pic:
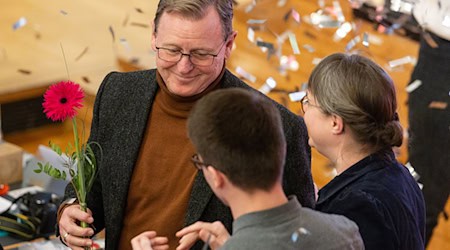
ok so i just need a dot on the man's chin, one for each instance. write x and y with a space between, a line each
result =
180 90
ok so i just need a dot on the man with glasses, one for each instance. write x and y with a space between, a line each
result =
243 166
144 180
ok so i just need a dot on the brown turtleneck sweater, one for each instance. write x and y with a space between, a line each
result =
163 176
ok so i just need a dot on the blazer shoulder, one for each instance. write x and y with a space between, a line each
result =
128 83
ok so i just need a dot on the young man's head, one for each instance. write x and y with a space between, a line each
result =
239 133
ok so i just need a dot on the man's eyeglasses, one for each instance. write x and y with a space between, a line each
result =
198 164
305 104
196 58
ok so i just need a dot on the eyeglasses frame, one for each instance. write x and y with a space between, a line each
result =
198 164
305 101
181 54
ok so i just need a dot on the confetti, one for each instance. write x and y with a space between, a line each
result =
125 44
250 6
268 86
241 72
412 171
20 23
281 3
256 21
401 61
251 35
342 31
365 39
316 60
310 35
338 11
296 16
142 25
125 21
81 54
112 33
289 62
63 12
374 39
294 44
86 79
139 10
134 60
297 96
285 35
352 43
287 15
301 231
309 48
323 20
437 105
413 86
24 71
267 45
304 86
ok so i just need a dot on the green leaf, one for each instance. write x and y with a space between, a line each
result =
46 167
39 170
72 173
55 148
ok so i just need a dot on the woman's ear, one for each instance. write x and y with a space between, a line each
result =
337 124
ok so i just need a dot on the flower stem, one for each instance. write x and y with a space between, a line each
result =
80 172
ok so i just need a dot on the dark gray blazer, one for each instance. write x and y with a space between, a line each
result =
121 110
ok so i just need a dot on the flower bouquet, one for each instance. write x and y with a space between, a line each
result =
60 102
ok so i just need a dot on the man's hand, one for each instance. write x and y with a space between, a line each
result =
149 241
214 234
70 232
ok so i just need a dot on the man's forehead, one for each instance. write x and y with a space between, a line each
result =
174 28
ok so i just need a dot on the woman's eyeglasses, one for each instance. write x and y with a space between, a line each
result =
305 104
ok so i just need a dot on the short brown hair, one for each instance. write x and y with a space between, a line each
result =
363 94
195 9
240 133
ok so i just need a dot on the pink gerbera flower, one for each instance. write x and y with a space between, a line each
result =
61 100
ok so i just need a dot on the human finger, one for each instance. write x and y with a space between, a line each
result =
70 217
215 236
187 241
196 227
142 240
160 243
75 242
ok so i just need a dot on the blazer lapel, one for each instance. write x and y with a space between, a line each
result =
125 151
200 195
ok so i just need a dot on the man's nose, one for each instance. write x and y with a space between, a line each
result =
185 64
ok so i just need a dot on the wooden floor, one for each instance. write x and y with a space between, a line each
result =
249 57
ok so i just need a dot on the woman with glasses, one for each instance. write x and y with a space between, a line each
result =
350 112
